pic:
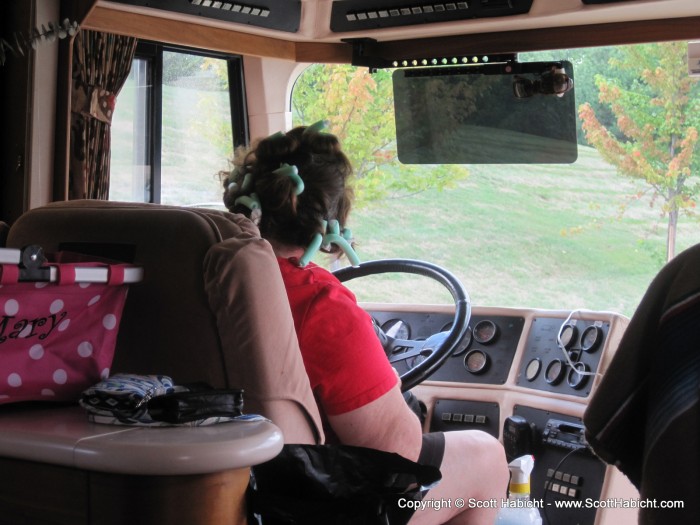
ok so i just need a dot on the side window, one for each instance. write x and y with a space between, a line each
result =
178 119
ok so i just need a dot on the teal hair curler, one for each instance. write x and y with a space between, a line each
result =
316 127
247 180
293 173
311 250
275 136
251 202
333 235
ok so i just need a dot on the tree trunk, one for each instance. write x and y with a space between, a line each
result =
671 235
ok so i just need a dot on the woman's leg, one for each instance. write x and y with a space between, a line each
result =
474 480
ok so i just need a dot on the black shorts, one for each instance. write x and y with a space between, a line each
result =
433 449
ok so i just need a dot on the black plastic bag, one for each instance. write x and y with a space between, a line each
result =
337 484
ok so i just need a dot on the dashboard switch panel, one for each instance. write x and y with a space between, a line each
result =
456 414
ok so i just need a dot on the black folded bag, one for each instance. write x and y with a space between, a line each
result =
195 404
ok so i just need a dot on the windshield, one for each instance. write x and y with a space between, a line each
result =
586 235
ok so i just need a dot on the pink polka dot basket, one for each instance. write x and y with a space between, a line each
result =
58 326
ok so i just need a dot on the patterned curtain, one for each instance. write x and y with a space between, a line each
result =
101 64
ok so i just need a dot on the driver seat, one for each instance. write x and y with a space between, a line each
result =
212 306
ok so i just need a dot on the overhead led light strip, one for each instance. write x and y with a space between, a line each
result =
414 10
233 7
461 60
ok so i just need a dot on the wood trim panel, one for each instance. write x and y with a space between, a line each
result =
323 53
42 494
77 9
543 39
206 499
169 31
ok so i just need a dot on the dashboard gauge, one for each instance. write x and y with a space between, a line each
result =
576 379
465 344
555 372
485 332
476 362
567 335
591 338
532 370
397 329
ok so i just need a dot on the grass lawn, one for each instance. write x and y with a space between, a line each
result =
546 236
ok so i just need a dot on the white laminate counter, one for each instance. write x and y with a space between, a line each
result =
63 436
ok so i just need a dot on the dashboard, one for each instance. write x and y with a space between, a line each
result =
524 376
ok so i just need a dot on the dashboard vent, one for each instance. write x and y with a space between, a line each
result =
357 15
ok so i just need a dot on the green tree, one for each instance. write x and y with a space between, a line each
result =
656 108
360 108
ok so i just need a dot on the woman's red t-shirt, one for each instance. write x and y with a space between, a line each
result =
345 362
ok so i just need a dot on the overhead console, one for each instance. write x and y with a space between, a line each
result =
357 15
282 15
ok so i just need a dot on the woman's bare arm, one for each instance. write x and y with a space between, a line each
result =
387 423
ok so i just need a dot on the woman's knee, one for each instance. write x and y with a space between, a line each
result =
483 453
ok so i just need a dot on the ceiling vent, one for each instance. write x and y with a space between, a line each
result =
358 15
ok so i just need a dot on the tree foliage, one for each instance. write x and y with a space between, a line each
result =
656 106
359 106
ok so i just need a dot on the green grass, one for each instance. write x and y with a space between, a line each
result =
532 236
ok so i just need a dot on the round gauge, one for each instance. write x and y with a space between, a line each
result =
591 338
485 332
476 361
555 372
576 379
465 344
532 370
397 329
567 335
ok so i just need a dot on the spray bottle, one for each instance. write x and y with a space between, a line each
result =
518 509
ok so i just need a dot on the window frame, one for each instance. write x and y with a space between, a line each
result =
152 53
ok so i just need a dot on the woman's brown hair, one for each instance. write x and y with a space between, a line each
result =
257 187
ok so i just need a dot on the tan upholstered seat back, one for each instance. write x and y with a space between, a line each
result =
212 306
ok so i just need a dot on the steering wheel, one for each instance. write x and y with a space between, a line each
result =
436 348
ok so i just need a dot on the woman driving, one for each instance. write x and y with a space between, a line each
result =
295 187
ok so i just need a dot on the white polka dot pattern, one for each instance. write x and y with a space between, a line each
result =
56 341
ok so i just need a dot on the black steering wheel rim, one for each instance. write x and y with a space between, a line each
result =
460 322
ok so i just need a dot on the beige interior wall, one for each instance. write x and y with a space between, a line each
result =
269 83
